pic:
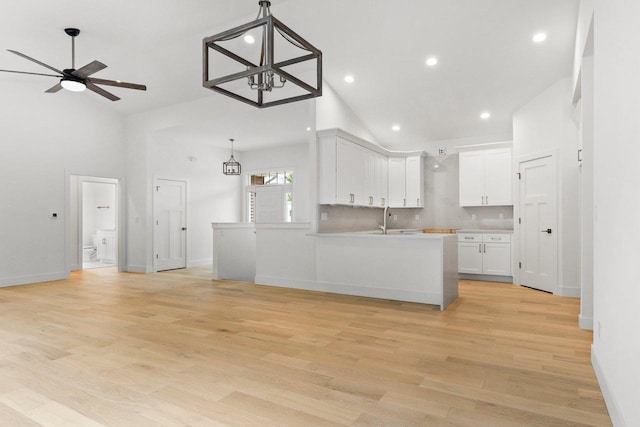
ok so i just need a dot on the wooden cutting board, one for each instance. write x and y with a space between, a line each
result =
440 230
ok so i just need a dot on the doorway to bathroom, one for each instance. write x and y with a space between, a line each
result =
94 222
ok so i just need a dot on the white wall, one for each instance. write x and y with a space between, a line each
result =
333 113
546 123
143 131
616 348
584 38
586 194
291 157
211 195
46 137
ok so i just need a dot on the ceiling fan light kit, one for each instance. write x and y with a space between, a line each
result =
261 75
74 85
77 80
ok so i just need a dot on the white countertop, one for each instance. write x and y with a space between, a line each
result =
391 234
485 231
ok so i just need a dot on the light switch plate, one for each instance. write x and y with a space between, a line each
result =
323 216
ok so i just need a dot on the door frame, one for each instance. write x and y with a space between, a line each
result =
69 223
154 237
515 244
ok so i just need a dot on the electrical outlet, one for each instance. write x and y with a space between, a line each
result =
395 217
417 217
323 216
501 216
473 217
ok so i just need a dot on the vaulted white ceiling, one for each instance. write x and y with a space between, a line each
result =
487 61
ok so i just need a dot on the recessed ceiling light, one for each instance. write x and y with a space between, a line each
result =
349 78
432 61
249 39
395 128
485 115
539 37
308 129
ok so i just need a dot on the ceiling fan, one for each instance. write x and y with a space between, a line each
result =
78 80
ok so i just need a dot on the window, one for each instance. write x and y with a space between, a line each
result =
269 197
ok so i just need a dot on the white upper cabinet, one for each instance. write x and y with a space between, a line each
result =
486 178
357 173
397 182
350 173
415 181
381 192
406 187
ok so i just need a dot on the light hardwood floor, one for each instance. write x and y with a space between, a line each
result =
177 348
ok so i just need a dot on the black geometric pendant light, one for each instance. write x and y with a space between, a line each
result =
276 64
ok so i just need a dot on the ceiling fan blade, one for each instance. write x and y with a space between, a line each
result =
101 91
54 89
35 60
87 70
33 74
117 84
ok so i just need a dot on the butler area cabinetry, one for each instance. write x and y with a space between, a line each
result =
486 178
484 253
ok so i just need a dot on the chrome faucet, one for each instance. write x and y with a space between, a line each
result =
383 227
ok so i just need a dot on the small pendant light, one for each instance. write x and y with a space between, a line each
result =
231 166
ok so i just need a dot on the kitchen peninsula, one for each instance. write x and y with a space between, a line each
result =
413 267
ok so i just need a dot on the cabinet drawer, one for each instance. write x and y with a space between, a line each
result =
496 238
475 237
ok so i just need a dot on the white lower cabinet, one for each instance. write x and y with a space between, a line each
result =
480 253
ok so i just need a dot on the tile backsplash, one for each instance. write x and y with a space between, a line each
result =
441 207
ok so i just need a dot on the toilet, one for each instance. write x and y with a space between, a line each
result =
90 253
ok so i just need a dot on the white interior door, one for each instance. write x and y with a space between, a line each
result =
538 231
170 236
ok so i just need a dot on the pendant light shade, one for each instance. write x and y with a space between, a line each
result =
247 54
231 166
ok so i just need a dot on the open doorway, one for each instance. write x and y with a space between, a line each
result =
94 219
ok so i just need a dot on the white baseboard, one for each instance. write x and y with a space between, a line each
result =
199 262
138 269
609 398
570 292
585 322
485 277
35 278
347 289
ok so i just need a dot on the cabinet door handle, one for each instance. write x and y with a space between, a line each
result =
382 201
418 201
485 248
479 247
487 199
352 198
404 202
